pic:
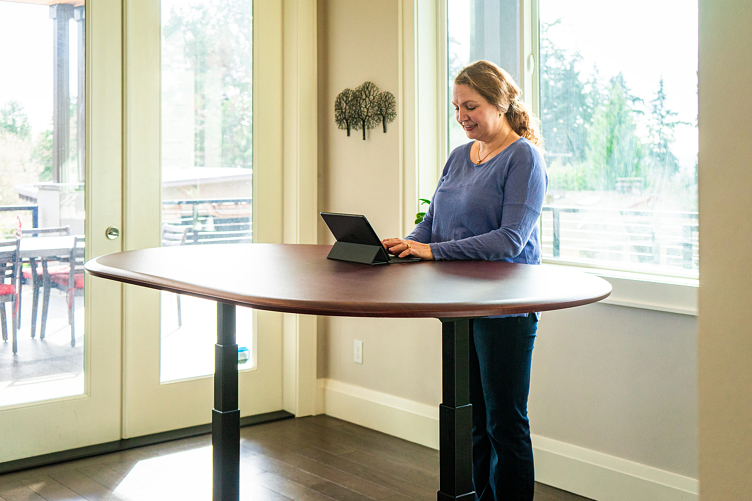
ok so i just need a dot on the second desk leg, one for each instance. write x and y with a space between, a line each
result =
455 413
226 415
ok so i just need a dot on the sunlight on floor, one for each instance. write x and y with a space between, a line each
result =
185 475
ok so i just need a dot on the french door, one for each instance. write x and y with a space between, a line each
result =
195 159
61 386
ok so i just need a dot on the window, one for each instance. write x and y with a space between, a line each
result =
207 162
618 114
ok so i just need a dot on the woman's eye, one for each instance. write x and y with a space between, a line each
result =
471 109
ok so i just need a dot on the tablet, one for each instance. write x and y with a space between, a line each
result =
357 241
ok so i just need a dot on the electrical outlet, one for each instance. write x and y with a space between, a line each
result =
358 352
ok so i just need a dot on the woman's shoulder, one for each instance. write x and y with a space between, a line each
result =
458 157
461 152
525 149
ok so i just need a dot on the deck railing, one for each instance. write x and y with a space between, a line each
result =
212 220
656 238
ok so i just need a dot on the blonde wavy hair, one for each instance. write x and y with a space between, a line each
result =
498 87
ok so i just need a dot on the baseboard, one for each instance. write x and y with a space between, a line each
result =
388 414
606 478
565 466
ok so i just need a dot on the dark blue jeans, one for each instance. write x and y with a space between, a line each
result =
501 351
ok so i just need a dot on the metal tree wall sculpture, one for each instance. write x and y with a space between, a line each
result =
364 108
386 108
343 110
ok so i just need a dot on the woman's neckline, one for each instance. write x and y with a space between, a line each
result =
484 162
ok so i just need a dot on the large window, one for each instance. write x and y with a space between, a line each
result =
618 110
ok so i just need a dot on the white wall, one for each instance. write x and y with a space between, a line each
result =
614 383
725 327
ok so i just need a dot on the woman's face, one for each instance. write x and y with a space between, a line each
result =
479 118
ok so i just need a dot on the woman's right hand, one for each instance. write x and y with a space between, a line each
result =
401 247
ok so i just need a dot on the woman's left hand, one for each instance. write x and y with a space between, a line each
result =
404 248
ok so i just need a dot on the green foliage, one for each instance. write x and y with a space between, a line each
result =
16 165
568 176
13 119
661 127
218 48
568 102
420 215
613 148
597 132
41 154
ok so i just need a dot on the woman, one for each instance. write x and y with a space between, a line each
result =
486 206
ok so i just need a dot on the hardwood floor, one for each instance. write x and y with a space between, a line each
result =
309 459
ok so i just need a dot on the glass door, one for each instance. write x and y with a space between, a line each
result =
191 176
59 117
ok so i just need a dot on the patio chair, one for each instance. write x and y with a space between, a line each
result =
35 274
172 236
9 265
69 278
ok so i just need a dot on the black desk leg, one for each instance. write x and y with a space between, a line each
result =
456 413
226 415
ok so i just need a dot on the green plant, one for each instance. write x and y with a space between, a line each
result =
420 215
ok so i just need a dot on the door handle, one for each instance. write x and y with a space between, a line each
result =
111 233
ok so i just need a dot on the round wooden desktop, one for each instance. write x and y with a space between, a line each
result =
300 279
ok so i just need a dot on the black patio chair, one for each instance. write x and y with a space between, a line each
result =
9 265
35 273
69 278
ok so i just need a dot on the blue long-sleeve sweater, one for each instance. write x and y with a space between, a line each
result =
487 211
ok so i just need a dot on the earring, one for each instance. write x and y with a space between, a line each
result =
499 115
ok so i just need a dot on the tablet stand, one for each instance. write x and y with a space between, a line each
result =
358 253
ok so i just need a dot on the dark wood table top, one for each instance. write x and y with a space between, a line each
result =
300 279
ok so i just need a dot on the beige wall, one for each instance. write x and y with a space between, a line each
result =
617 380
725 339
621 381
358 42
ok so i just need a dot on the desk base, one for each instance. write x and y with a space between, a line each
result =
226 415
456 413
225 448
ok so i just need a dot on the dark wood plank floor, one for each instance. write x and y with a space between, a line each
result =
317 458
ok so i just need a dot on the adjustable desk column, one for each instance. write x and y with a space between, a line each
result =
226 415
455 413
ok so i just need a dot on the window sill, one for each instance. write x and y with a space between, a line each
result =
648 292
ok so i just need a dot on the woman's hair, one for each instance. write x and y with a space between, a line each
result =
497 87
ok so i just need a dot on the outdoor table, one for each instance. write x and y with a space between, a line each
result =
43 248
300 279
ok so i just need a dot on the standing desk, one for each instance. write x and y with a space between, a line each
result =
299 279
